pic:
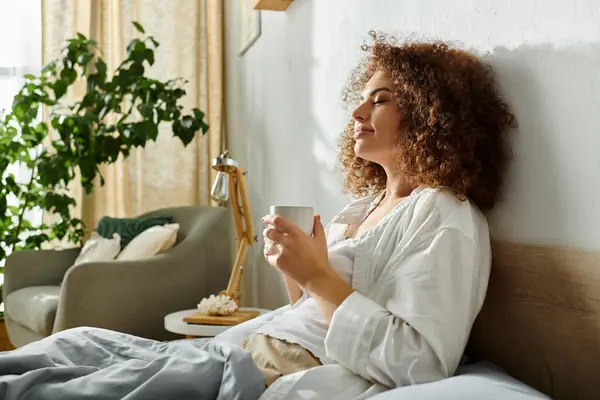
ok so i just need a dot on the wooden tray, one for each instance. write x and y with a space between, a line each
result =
233 319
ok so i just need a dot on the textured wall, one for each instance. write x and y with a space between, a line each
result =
285 116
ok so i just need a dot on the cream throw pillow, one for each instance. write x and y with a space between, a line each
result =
152 241
97 248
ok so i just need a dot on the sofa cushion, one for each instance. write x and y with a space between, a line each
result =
152 241
98 248
34 307
128 228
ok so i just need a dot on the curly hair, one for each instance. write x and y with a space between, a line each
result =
455 133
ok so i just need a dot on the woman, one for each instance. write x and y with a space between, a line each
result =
391 288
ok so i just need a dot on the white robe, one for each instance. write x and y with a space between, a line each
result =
420 277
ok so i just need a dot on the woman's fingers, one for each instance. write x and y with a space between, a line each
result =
271 248
282 224
273 234
280 234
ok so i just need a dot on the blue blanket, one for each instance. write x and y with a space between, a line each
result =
92 363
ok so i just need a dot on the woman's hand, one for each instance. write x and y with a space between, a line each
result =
298 255
304 259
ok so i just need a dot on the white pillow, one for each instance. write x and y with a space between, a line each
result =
98 248
481 380
154 240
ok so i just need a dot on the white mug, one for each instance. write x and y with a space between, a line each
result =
302 216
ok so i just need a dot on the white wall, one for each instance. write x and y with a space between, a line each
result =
284 113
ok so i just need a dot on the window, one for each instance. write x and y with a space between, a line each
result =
20 54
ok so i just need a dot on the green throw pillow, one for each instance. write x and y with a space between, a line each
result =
128 228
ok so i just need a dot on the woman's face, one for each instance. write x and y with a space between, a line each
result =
377 121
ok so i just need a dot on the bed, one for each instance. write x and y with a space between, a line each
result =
537 337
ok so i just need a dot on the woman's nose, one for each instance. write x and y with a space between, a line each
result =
361 113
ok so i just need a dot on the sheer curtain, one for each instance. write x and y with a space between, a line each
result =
20 54
190 34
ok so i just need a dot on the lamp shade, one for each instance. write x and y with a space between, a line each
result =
225 163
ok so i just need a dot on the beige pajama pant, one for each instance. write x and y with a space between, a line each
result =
275 357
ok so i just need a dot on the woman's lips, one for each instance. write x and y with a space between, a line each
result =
360 133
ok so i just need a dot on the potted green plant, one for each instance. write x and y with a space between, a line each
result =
120 110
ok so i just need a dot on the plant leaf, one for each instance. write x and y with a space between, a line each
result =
146 110
149 53
60 88
138 27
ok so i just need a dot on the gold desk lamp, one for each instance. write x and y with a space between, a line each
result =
230 183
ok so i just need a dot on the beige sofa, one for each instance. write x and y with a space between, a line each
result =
126 296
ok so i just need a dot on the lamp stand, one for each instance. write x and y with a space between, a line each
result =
240 206
232 175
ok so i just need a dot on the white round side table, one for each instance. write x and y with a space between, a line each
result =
174 323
